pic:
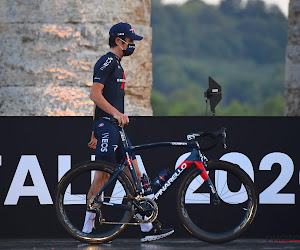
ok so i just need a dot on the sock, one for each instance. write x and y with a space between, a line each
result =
148 226
89 222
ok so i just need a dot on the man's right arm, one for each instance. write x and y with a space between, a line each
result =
97 97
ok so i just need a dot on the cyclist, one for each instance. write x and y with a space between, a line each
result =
108 93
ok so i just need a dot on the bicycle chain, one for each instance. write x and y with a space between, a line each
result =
140 220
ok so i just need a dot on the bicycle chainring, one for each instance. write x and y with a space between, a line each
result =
144 210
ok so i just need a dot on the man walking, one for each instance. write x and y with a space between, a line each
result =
107 93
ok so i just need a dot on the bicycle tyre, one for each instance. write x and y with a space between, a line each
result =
226 221
71 215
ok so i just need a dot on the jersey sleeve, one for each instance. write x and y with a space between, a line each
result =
103 71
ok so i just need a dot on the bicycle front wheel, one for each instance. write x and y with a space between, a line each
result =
222 222
71 201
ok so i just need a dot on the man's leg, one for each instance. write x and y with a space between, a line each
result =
106 136
100 179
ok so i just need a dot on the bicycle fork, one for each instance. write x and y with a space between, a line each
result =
200 160
215 196
205 177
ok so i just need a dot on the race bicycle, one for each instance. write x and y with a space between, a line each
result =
222 188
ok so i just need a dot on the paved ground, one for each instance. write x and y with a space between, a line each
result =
134 244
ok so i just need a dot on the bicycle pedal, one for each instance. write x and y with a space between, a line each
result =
93 210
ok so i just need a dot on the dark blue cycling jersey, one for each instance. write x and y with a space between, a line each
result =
109 72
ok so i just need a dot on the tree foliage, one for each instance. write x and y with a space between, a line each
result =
241 47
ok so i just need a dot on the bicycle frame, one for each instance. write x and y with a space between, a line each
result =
237 196
196 157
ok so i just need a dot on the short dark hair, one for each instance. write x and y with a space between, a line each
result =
112 40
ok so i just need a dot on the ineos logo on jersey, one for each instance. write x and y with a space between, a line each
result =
107 62
104 142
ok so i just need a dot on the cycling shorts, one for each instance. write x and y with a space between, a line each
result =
109 145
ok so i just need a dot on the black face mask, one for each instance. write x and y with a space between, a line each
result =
130 48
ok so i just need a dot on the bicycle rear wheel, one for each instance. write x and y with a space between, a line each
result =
225 221
71 200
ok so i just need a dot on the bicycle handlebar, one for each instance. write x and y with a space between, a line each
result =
115 121
221 133
112 120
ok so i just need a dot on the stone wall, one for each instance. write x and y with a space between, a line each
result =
48 49
292 79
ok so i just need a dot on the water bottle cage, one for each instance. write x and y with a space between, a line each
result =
146 185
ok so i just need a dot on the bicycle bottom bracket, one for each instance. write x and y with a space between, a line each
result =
144 210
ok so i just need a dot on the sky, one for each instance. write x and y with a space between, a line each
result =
282 4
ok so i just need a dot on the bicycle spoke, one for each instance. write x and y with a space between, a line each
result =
234 195
205 195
